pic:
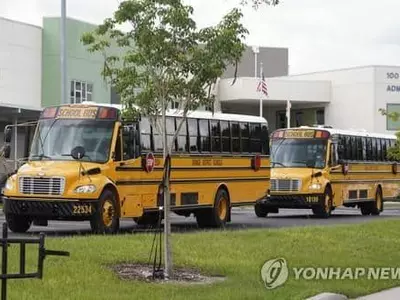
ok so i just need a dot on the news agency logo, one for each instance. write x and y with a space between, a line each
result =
274 272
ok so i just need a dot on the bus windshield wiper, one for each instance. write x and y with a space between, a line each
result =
299 162
278 163
66 154
40 156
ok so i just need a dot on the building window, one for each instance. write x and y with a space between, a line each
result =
174 105
299 119
320 116
208 107
81 91
281 121
391 124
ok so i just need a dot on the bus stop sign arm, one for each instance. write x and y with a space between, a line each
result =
5 242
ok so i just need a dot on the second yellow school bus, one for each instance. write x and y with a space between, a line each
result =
322 168
86 163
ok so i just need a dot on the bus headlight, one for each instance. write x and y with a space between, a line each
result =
315 186
85 189
9 185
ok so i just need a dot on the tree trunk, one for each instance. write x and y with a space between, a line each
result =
167 224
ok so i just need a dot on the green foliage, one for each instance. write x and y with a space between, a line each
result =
257 3
393 153
165 54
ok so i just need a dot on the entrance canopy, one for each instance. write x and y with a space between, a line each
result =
280 90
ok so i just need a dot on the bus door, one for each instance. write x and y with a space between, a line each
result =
127 166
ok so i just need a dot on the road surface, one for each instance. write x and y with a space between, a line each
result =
242 218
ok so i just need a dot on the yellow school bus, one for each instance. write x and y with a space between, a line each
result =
322 168
86 163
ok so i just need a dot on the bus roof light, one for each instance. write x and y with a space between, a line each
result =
322 134
107 113
325 134
49 112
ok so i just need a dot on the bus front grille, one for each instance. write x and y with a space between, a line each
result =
285 185
30 185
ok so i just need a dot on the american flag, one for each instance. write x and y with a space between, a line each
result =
262 85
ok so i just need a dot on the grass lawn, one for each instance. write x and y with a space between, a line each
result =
239 255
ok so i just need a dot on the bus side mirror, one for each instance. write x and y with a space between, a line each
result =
7 151
78 152
7 134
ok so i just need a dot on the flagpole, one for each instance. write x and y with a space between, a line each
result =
261 93
63 51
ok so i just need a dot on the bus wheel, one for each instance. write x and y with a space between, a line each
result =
260 211
324 210
18 224
365 209
105 219
218 215
148 219
377 205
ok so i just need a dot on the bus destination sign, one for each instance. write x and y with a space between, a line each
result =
299 133
77 113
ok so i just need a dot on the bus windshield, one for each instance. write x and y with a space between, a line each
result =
298 153
55 138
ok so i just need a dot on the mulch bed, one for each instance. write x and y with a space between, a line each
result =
144 272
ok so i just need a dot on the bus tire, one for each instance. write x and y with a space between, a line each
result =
260 211
377 205
218 215
18 224
373 208
324 210
105 220
148 219
365 209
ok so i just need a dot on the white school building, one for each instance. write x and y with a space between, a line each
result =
344 98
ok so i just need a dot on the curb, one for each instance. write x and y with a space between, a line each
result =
328 296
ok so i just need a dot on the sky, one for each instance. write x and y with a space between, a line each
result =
320 34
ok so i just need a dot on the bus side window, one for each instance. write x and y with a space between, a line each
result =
118 148
379 149
342 148
181 139
359 148
244 137
204 134
264 139
193 135
215 136
235 133
364 148
348 148
374 148
255 138
384 150
130 141
333 158
145 134
226 136
369 149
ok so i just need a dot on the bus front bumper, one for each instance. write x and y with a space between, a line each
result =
62 209
293 201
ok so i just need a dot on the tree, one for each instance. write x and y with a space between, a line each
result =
170 59
257 3
393 153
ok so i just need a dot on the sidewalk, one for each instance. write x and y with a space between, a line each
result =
390 294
